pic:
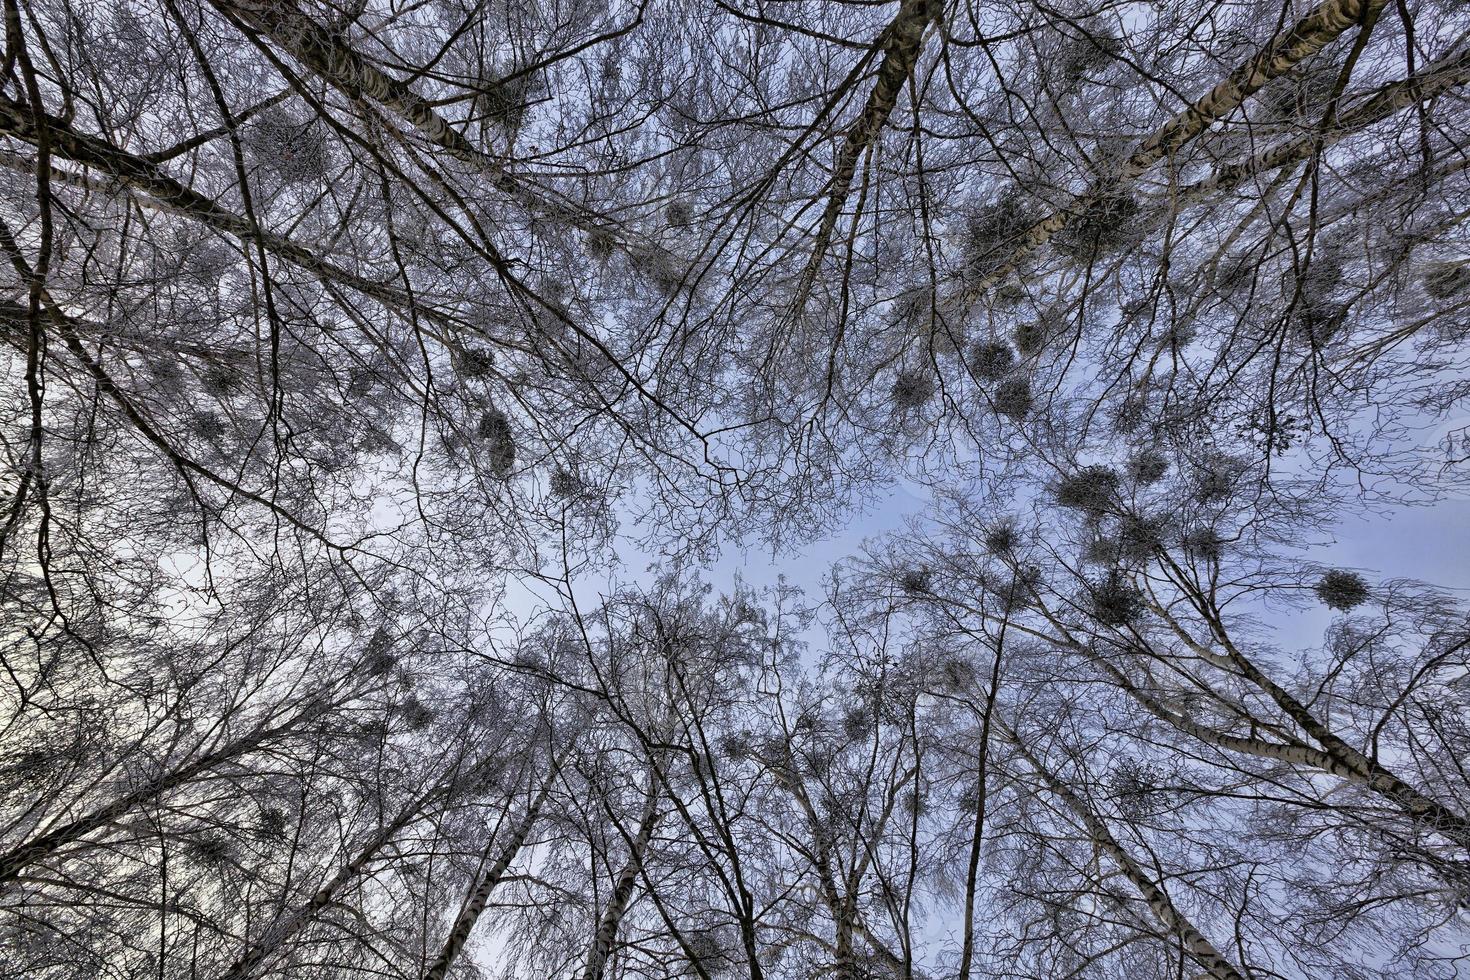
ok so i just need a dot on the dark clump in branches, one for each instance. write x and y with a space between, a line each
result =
1130 414
506 101
1032 336
415 714
476 362
295 150
1215 479
379 657
1092 490
913 389
1089 54
497 441
1342 590
1001 538
1106 226
1138 788
1316 324
1013 399
600 245
1291 98
993 231
565 484
1139 537
1148 467
1204 543
710 949
734 747
1115 601
1016 588
679 215
955 674
991 360
222 381
1445 280
363 356
273 824
857 723
914 582
34 765
211 849
209 425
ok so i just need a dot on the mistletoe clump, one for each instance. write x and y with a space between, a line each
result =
1012 399
1130 414
955 674
1031 336
1215 479
1091 490
1148 467
1138 788
31 765
498 441
1102 550
991 360
208 425
710 949
1085 56
994 231
913 389
1297 95
679 214
857 723
222 381
914 581
1016 589
565 484
1443 280
415 714
734 746
1317 324
505 101
600 245
1001 538
1115 602
1342 590
1204 543
379 658
296 151
211 849
273 824
1139 536
1106 226
476 362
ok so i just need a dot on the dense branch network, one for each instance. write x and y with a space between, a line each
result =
353 349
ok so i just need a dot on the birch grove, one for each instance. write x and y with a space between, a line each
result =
392 387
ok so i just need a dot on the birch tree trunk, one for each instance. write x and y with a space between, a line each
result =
1311 34
279 933
1200 949
481 890
617 903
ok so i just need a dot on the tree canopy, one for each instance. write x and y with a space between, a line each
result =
352 350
